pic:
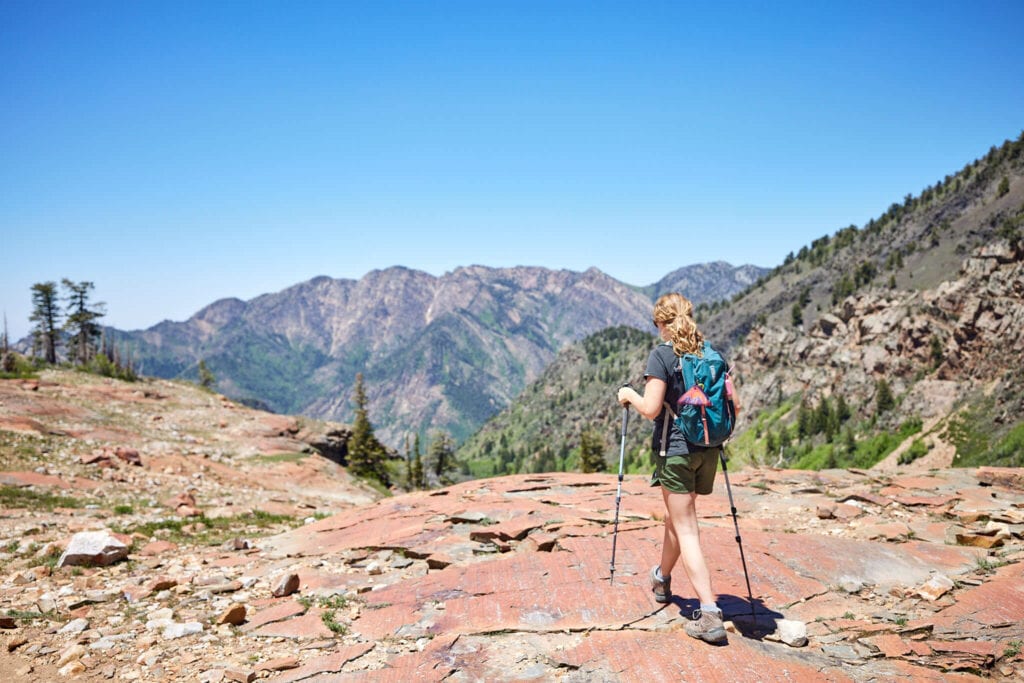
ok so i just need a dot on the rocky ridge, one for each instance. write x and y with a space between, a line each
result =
856 575
941 350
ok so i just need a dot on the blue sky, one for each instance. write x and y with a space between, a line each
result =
176 153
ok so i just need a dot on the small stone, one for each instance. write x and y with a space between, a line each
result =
286 585
237 544
175 631
8 622
240 675
850 584
978 540
161 583
935 587
70 654
157 548
792 632
16 642
279 664
72 669
826 511
75 626
234 615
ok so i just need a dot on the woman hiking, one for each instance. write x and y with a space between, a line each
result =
685 471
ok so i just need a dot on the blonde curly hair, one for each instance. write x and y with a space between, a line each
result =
675 311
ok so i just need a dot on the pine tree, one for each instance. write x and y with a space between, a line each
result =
7 363
46 315
419 476
408 464
884 400
206 378
842 409
591 453
365 454
442 457
84 332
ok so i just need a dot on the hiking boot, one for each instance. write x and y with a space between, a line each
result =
662 588
707 626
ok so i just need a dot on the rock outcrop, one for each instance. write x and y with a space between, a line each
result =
934 348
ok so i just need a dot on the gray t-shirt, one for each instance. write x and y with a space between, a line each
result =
661 364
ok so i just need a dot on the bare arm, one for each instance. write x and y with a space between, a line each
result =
649 405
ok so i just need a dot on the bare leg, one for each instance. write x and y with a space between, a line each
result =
682 541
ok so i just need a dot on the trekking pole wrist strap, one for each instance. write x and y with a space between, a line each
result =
664 428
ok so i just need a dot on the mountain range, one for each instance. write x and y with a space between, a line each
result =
436 353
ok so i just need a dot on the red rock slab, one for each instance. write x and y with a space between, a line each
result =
866 497
1007 477
922 483
845 511
932 532
567 589
313 579
897 670
372 532
827 607
892 531
25 425
282 609
520 591
928 501
889 644
36 479
514 529
999 602
674 656
436 662
972 648
982 499
332 663
828 558
309 625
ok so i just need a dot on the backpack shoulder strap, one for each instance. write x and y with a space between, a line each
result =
686 363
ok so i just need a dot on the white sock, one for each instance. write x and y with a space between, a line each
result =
711 608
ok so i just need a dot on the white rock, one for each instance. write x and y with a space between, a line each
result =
181 630
93 548
75 626
792 632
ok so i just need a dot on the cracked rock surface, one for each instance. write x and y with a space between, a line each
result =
272 565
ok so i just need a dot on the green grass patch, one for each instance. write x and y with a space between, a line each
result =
866 452
18 497
973 445
214 531
25 615
279 457
917 449
123 509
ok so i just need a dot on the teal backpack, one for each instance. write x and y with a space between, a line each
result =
705 414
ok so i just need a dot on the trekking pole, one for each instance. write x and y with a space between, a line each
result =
618 493
725 471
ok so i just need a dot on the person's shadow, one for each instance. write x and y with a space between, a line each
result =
752 620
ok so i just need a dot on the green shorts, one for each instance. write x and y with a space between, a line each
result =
690 473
